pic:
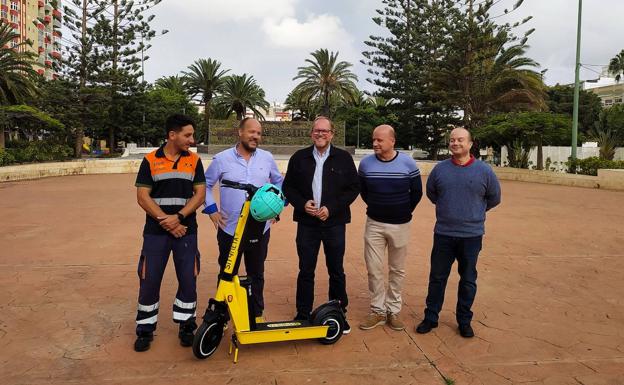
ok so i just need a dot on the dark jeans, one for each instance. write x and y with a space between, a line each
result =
152 263
254 250
445 251
309 240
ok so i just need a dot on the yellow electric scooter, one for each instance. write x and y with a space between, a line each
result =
233 301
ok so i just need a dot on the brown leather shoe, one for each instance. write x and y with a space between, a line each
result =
373 320
394 322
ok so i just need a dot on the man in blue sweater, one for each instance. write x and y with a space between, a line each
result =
462 189
390 185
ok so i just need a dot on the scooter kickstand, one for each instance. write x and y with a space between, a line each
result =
234 343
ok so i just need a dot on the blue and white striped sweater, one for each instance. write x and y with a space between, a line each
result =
391 189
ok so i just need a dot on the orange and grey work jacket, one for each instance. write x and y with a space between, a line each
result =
171 183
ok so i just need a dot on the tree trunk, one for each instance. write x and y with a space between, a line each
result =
207 120
79 140
469 77
83 81
540 154
115 80
326 104
434 152
2 144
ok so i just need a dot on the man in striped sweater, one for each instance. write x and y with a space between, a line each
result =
391 187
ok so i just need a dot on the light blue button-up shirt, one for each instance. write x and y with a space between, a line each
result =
317 182
230 165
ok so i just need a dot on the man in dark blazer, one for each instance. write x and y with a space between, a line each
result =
321 182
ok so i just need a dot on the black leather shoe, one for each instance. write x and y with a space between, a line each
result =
466 331
425 326
143 342
186 333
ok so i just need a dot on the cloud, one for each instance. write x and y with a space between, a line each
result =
316 32
227 11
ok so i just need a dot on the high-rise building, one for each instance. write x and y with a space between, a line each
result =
37 21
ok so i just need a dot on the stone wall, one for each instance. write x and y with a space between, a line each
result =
78 167
225 132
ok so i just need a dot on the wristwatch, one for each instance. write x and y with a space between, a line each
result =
180 216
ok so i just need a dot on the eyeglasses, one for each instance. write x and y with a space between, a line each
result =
321 131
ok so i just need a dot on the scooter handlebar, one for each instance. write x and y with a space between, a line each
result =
239 186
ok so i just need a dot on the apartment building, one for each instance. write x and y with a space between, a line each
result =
39 22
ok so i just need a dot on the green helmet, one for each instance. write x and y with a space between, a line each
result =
267 203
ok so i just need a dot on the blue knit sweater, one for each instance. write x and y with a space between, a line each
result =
391 189
462 195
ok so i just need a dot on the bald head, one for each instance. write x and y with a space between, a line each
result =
383 142
385 129
460 143
461 131
248 122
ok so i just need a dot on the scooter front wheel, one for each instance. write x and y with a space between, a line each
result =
207 339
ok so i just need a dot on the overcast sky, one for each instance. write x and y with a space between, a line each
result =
269 39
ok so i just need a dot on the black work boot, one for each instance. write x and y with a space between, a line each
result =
186 332
143 342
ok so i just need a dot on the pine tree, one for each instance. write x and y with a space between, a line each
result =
122 33
439 57
79 61
404 62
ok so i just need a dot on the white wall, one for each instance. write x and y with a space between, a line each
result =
559 155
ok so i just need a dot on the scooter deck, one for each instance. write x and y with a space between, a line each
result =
281 331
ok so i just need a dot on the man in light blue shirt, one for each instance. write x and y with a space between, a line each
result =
243 163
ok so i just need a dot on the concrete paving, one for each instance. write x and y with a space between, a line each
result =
549 308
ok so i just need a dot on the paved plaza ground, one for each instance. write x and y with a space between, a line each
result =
549 308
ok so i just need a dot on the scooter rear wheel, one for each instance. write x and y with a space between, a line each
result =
207 339
335 321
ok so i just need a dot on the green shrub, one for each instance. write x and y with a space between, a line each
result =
6 158
590 166
38 151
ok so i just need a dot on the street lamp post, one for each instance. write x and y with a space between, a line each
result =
576 84
142 65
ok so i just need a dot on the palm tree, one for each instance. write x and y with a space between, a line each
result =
606 138
325 77
513 83
360 99
173 83
492 76
380 102
205 78
302 108
241 92
616 66
17 76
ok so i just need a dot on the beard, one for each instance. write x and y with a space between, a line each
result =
247 147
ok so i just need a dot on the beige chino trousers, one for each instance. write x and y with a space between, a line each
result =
377 237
